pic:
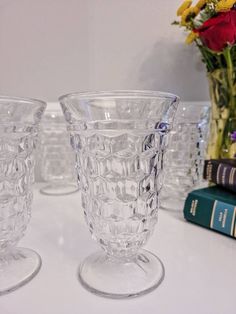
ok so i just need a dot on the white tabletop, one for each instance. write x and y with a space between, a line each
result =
200 266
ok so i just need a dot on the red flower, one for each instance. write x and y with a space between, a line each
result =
219 31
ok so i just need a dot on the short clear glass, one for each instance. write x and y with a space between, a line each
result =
120 138
57 159
19 119
184 159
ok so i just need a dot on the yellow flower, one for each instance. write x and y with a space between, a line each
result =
191 37
224 5
185 5
190 12
201 4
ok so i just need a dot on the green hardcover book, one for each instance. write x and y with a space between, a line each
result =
213 208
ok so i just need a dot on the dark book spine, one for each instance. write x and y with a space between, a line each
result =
209 213
220 173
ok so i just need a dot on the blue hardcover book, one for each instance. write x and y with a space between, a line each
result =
213 208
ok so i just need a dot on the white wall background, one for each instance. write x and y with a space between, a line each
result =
52 47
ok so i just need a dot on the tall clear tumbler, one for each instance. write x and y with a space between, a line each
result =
120 138
57 159
19 119
184 159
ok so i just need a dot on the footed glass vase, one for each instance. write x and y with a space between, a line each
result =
19 119
119 138
222 135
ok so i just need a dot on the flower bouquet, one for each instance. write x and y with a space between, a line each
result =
211 25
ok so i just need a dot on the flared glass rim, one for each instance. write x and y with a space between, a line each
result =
22 100
120 94
38 107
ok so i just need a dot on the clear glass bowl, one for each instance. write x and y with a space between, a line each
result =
19 119
184 159
120 138
57 159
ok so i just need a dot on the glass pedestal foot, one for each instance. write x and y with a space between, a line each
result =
116 278
59 189
17 267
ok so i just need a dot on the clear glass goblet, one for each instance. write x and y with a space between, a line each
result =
184 159
19 119
120 138
57 159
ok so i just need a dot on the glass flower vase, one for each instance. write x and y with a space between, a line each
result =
222 135
19 119
120 138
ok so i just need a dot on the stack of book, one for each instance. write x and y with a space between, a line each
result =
214 207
